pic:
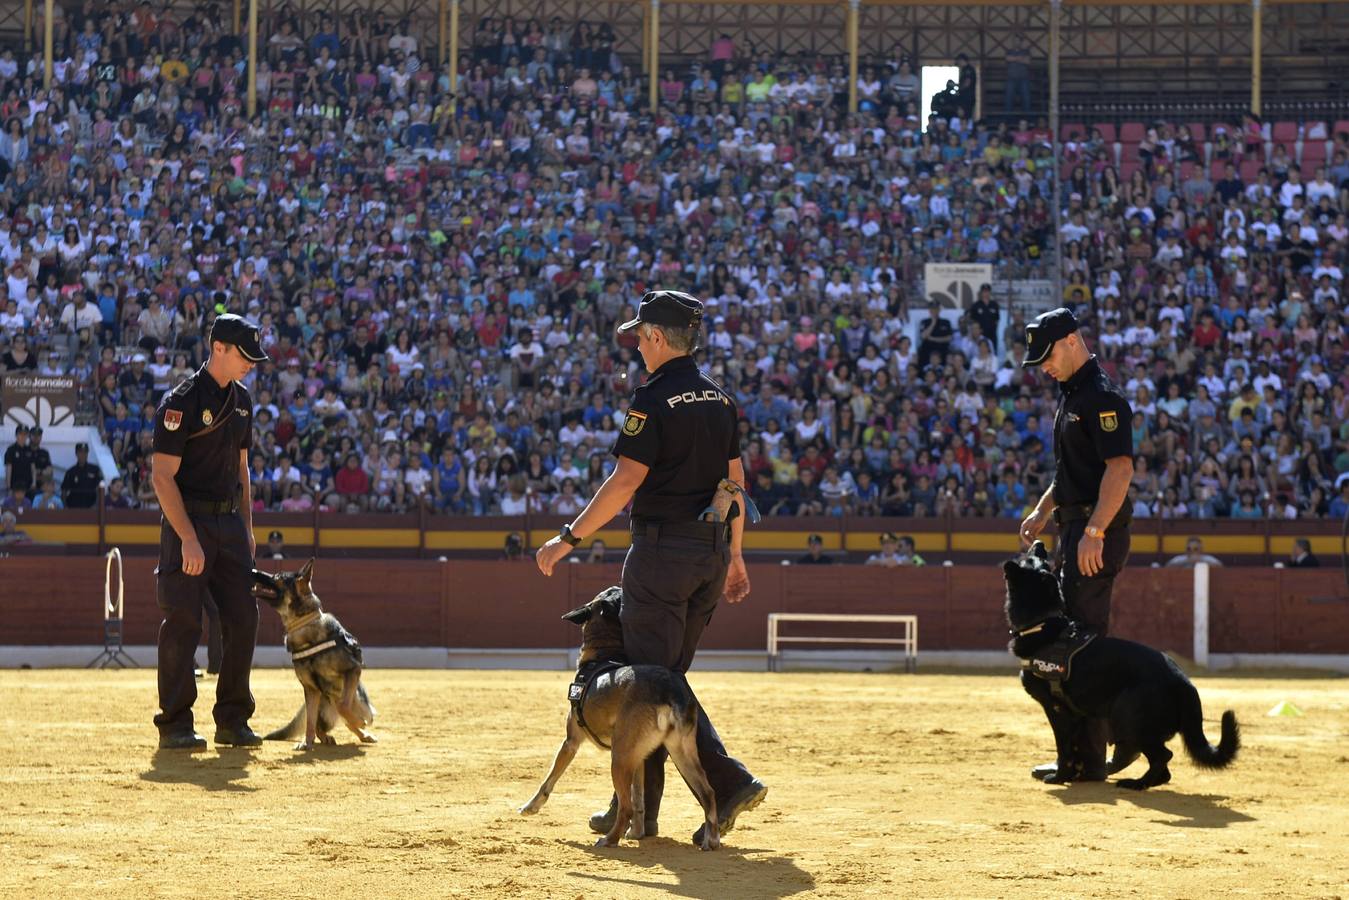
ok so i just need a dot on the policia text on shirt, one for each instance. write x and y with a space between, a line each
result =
678 442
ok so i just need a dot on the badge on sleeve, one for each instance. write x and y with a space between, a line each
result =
1109 421
173 418
634 423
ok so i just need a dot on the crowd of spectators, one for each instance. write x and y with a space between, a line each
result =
438 275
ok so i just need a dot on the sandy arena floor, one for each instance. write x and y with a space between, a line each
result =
880 786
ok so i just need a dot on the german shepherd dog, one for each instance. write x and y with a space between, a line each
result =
326 657
636 709
1141 692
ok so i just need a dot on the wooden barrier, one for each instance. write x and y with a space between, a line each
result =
48 600
420 536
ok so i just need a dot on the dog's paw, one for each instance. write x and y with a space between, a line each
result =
711 840
368 738
530 808
304 745
605 842
329 740
636 832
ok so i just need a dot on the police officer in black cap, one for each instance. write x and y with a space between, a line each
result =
1093 455
203 431
676 444
19 462
79 486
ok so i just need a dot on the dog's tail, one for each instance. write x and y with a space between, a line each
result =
1196 742
291 730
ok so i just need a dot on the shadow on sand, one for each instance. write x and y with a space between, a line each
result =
1185 810
221 771
732 871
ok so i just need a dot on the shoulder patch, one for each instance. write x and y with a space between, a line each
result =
634 423
1109 421
183 387
173 419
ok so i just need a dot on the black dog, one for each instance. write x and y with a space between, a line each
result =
1074 674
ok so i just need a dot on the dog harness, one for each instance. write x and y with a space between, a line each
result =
586 676
342 639
1054 663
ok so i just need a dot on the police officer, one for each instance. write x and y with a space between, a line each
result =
676 444
79 487
42 460
1093 456
203 431
19 464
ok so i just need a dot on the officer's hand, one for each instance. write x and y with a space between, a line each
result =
550 554
737 581
194 558
1032 525
1090 555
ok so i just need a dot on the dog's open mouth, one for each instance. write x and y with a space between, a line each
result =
265 587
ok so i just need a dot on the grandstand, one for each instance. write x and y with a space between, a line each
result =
438 254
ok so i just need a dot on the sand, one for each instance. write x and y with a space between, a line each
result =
881 785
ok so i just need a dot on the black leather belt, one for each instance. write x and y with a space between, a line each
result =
1076 512
711 532
210 507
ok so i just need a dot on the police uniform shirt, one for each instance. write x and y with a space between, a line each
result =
210 463
1093 423
682 425
80 485
42 460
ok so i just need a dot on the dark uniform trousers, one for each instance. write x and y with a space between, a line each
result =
672 581
228 580
1088 600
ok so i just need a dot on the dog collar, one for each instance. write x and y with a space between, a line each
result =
310 651
307 620
1034 626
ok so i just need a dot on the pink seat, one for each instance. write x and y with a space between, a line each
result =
1127 168
1132 132
1186 170
1341 127
1067 130
1107 132
1250 168
1197 131
1313 154
1285 132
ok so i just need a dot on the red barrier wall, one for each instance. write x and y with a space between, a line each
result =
470 603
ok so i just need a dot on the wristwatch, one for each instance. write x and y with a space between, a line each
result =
1093 531
567 536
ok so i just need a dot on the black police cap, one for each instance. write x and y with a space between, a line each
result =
673 308
231 329
1044 331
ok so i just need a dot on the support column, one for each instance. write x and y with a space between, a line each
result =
238 19
654 94
27 28
454 50
48 10
252 58
442 31
854 8
1257 28
1055 16
646 41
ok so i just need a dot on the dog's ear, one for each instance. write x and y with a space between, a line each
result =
306 574
1038 550
579 616
610 601
1010 567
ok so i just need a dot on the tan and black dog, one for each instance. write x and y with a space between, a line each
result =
326 657
636 709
